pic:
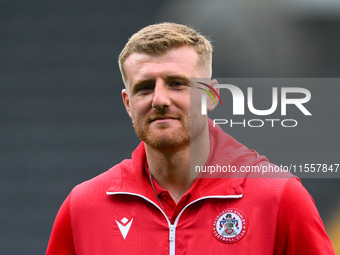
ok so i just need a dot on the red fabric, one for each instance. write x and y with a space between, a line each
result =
281 216
299 224
61 240
169 205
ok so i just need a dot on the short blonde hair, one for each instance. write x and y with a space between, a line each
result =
159 38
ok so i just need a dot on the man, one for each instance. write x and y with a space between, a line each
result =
150 204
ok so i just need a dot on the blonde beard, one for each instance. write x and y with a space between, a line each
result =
170 142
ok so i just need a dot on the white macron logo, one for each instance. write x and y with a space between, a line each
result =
124 227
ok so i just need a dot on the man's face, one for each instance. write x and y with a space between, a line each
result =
157 96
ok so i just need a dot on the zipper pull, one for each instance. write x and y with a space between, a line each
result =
172 233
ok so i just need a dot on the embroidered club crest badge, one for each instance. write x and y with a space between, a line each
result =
230 226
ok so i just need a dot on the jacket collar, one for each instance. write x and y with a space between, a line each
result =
129 176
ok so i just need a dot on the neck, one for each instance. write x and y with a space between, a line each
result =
171 170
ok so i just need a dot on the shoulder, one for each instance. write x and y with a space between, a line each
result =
270 184
296 201
96 187
300 229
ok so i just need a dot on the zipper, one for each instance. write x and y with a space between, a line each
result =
172 233
172 239
172 227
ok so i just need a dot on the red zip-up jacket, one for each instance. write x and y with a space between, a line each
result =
118 212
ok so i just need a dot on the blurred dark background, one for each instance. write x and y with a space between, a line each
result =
61 113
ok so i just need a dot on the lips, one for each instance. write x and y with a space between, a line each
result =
152 119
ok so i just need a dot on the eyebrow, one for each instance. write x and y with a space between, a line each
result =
177 76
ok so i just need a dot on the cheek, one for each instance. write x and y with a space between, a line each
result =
139 107
183 105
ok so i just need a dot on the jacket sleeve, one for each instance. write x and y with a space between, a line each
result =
300 229
61 239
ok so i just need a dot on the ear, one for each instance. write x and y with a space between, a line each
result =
210 102
126 101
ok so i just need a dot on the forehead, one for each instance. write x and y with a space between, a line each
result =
182 60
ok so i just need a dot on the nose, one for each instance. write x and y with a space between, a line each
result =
161 97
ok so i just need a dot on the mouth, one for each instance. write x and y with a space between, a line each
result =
162 119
